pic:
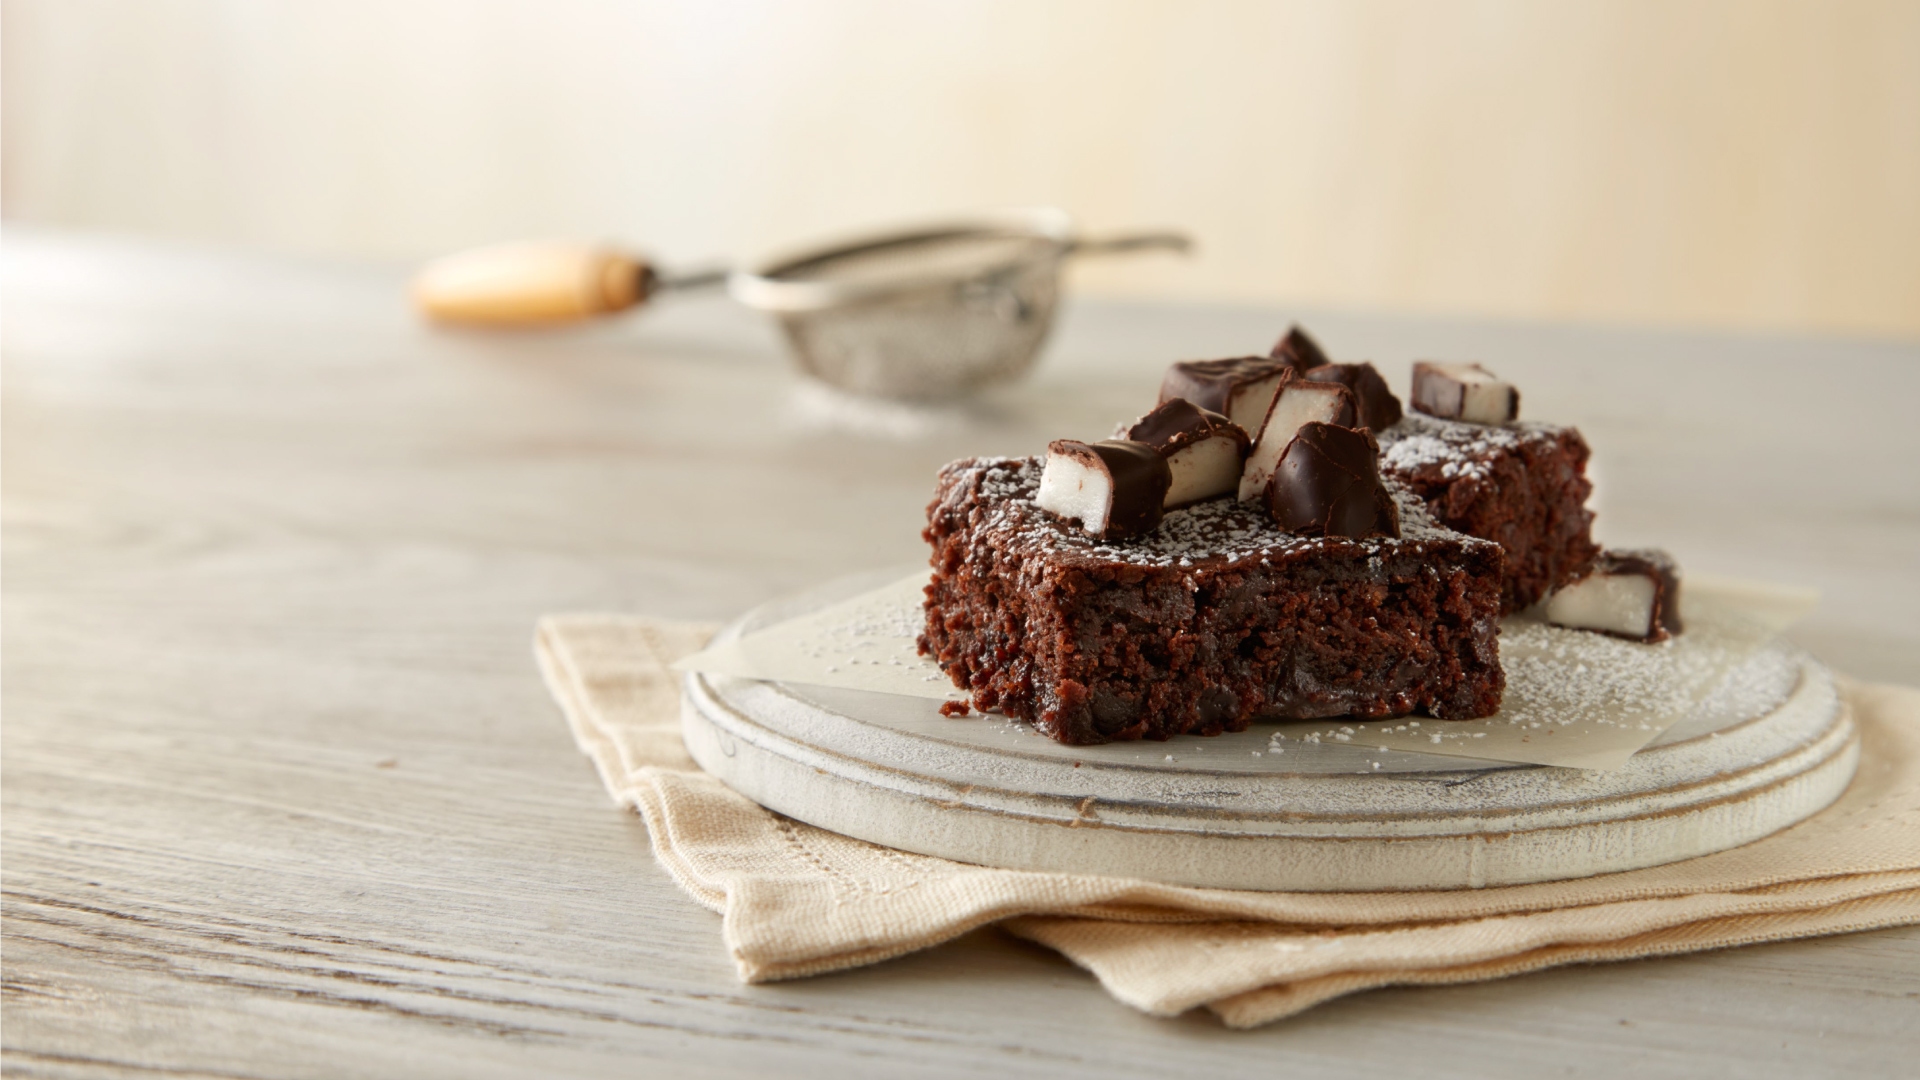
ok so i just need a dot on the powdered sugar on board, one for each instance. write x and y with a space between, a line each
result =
865 643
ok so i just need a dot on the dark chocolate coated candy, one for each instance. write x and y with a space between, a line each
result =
1328 484
1465 392
1297 403
1178 423
1629 594
1659 566
1140 482
1299 351
1135 477
1204 450
1378 408
1221 385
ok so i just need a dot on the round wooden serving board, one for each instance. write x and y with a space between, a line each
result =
1320 817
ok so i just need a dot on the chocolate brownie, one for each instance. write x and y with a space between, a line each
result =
1212 620
1522 485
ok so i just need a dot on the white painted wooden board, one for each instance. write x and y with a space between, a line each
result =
1230 811
283 795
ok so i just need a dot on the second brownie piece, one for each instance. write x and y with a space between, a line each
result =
1213 620
1524 486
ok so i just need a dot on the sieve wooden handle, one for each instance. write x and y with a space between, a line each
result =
530 284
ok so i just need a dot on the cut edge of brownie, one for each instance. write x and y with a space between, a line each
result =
1215 620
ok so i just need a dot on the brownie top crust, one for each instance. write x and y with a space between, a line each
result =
1421 444
1219 533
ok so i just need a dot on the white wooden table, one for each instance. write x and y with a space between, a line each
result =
283 795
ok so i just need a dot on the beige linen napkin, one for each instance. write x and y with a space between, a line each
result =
797 900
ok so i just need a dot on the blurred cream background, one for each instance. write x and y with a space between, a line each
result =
1745 164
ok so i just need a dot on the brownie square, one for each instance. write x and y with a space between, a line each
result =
1213 620
1523 486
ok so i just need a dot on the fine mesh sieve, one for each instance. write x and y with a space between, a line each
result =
928 313
919 314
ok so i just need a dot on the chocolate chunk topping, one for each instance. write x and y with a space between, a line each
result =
1378 408
1299 351
1240 388
1179 423
1328 484
1115 488
1466 392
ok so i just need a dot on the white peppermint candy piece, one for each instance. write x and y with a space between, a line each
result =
1465 392
1629 594
1113 488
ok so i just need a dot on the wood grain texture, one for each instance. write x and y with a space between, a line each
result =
283 795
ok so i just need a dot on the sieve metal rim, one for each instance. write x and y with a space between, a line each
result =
761 288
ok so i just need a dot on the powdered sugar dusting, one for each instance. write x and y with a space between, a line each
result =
1451 449
1218 531
866 642
1557 677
